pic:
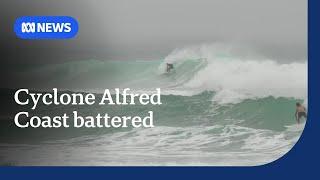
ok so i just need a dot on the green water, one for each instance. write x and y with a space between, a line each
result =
195 125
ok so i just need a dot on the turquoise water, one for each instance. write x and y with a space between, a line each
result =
214 112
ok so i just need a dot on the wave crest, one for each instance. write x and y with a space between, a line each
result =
235 78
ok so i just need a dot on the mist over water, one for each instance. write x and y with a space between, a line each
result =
235 75
221 106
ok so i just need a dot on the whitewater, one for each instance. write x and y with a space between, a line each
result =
219 108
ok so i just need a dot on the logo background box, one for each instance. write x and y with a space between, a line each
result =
45 19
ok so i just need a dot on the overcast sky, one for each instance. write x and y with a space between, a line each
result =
151 29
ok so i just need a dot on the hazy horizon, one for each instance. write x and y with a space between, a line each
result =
144 29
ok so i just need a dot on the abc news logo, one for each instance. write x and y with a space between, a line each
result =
46 27
27 27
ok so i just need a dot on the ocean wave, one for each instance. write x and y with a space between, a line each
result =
217 68
235 78
196 145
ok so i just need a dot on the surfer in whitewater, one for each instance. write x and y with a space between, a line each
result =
300 112
169 67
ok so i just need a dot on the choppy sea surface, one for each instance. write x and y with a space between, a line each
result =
217 109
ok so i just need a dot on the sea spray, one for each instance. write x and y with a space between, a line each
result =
218 108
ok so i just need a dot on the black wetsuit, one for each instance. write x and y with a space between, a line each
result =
302 114
169 67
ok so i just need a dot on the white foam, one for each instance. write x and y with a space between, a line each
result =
196 145
235 78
